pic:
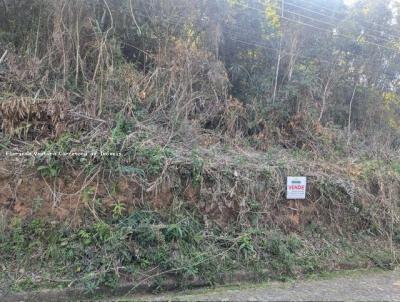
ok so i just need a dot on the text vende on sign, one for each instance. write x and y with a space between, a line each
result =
296 187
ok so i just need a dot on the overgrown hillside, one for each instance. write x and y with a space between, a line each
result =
142 139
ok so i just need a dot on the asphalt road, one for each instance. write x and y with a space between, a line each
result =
360 286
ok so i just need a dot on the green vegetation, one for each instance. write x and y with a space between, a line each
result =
143 139
159 244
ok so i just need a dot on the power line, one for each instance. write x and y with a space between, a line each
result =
309 25
342 35
322 29
235 38
336 25
251 43
342 20
261 45
354 39
330 10
339 20
310 10
313 4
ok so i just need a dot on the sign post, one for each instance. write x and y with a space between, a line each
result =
296 187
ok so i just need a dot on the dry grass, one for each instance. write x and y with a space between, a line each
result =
177 97
42 117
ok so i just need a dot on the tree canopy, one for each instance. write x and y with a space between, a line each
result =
310 62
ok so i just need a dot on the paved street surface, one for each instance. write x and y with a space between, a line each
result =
360 286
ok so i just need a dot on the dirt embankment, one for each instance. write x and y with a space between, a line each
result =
224 191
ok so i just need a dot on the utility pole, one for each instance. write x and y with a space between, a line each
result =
279 54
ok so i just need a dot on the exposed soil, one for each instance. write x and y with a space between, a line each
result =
63 198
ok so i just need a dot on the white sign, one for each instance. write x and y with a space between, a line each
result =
296 187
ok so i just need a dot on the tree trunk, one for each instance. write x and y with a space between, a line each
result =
350 111
324 97
279 56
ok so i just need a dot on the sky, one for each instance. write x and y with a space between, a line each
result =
350 2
